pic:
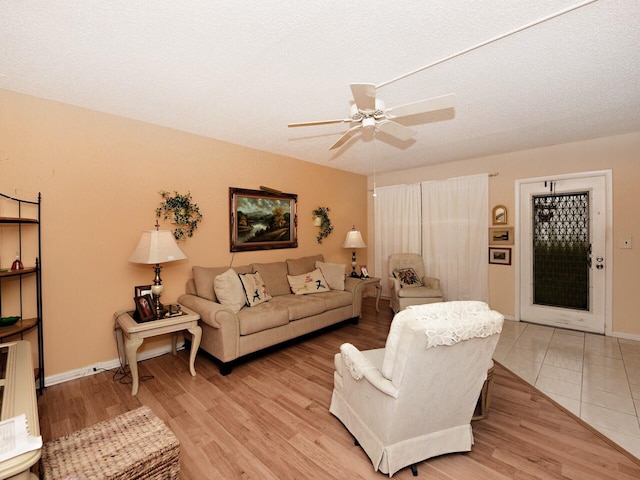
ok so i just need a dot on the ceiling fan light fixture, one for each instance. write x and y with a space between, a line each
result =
368 122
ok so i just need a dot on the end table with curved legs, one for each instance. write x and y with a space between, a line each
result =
134 333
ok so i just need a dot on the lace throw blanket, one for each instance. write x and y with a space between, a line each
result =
451 322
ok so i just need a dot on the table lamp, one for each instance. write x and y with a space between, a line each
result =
353 240
156 247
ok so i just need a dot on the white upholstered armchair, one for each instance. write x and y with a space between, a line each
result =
406 290
414 399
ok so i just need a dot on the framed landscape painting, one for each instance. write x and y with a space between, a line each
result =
261 220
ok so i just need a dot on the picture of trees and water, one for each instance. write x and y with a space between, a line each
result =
263 219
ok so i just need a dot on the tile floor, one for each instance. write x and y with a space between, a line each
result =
595 377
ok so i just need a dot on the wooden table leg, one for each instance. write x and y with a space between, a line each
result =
131 348
196 333
174 343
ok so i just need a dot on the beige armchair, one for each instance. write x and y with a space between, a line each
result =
414 399
403 294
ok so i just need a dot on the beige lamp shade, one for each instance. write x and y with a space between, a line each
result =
353 240
157 246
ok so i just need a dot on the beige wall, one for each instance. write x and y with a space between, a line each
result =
100 176
620 153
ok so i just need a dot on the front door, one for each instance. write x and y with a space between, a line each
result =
563 252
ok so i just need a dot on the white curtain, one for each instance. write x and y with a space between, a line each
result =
397 213
455 235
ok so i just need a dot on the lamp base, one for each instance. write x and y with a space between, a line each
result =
158 307
354 275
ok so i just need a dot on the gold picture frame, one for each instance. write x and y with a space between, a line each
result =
501 236
499 215
262 220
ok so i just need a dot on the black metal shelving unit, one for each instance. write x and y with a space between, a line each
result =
26 226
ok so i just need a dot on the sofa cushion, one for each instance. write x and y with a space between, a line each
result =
336 299
307 283
203 279
333 274
229 290
408 277
254 289
419 292
275 277
301 306
262 317
298 266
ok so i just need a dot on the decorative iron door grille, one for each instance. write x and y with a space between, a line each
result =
561 250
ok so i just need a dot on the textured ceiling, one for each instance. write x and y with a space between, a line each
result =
240 71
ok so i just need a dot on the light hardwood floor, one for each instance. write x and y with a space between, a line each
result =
269 419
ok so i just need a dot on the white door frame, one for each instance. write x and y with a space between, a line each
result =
608 237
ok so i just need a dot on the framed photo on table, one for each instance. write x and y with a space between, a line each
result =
144 308
364 273
141 290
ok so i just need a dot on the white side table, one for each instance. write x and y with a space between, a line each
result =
134 333
375 282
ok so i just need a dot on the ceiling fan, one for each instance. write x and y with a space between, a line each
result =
369 113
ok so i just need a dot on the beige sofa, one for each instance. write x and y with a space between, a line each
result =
228 335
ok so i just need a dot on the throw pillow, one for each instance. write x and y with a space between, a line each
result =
333 273
255 290
312 282
408 277
229 291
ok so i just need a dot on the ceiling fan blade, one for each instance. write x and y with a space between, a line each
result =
320 122
423 106
344 138
396 130
365 95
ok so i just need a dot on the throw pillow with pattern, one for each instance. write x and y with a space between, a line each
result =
408 277
312 282
254 289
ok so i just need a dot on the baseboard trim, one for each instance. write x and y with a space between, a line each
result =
626 336
102 366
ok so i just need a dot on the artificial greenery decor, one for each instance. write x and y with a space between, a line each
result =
325 222
181 211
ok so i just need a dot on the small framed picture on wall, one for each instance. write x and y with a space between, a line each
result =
500 256
501 235
499 215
